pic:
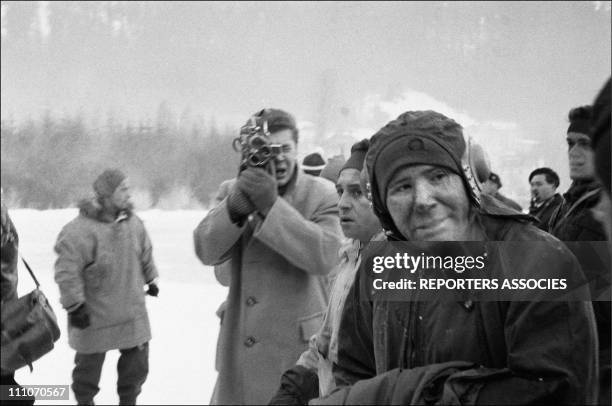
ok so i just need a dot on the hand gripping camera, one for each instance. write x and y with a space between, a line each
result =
253 143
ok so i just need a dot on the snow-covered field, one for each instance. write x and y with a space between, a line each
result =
183 320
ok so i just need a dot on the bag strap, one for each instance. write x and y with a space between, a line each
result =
31 273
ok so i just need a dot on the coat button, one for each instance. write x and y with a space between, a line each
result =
250 341
251 301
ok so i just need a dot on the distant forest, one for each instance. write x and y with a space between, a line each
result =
51 162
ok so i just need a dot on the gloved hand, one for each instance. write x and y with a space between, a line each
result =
260 186
298 385
79 317
153 289
238 204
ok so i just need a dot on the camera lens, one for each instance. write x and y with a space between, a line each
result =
260 157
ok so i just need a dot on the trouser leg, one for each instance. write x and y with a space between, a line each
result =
86 376
132 368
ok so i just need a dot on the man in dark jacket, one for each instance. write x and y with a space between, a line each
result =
544 199
574 220
467 352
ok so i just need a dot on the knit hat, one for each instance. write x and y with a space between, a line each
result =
332 169
600 134
415 137
106 184
313 164
276 120
493 177
580 120
358 153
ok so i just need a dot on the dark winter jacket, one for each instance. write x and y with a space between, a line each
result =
574 220
545 211
470 352
10 245
105 264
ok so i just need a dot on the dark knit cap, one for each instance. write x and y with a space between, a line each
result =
358 153
580 120
415 137
313 164
600 134
276 119
106 184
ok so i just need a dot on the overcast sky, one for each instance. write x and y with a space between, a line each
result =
509 68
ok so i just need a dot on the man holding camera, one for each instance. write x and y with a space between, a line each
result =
277 232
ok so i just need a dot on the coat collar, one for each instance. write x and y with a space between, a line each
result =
92 209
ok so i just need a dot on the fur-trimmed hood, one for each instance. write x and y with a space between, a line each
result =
91 208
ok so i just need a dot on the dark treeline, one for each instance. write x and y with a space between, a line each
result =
51 162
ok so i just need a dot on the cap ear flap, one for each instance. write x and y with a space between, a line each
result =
364 183
475 166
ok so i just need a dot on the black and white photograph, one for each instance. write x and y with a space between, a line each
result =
306 203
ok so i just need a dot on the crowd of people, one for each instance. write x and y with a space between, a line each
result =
291 241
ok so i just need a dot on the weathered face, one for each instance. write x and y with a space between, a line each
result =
581 156
120 198
429 203
541 190
357 219
285 163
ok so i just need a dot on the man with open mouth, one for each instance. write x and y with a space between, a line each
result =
276 233
312 376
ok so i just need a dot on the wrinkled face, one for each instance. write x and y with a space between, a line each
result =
357 219
541 190
285 163
429 203
120 198
581 156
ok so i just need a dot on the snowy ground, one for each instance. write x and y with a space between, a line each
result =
183 320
